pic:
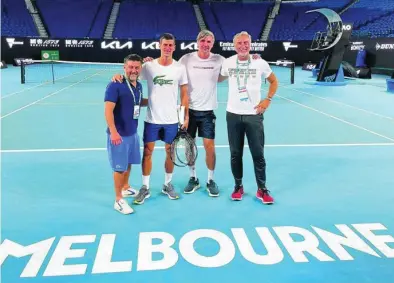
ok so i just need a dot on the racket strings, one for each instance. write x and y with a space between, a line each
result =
184 150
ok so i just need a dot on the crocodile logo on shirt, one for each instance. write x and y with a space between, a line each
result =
158 80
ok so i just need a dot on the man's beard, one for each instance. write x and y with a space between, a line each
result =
132 77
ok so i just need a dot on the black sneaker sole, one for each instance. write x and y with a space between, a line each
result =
141 202
212 195
192 191
170 197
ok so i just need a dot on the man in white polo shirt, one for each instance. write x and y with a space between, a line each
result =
203 70
164 77
245 109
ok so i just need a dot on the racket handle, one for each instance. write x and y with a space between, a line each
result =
182 115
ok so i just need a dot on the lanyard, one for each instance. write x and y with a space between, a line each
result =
132 92
246 73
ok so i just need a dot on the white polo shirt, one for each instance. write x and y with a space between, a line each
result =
203 77
254 72
163 86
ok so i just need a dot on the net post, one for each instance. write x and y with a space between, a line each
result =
53 73
292 73
23 80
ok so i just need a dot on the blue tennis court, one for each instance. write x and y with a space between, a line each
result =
330 164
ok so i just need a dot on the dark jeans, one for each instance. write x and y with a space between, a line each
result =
252 126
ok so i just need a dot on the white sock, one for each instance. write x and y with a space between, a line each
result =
193 172
168 178
210 175
145 181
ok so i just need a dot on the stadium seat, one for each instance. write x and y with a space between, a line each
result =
16 19
368 20
74 19
141 20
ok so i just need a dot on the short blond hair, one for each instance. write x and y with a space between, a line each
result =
240 34
204 33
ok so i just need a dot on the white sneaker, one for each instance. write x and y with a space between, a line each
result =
123 207
130 192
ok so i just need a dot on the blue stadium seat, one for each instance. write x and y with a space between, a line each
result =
16 20
227 14
72 19
293 24
211 20
142 19
101 20
149 19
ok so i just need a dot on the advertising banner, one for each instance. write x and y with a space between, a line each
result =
380 51
50 55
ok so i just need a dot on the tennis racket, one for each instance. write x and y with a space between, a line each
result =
184 150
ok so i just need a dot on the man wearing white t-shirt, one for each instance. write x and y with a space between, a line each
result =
164 76
245 110
203 70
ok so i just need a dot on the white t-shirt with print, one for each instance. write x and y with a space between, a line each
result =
163 85
203 78
258 69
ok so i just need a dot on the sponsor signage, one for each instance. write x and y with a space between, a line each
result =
50 55
357 45
151 45
34 42
100 50
255 46
116 45
309 66
11 41
189 46
25 61
76 43
288 45
384 46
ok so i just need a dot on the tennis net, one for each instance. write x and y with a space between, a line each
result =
47 71
284 71
44 71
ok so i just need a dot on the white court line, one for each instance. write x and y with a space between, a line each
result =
341 103
71 103
45 97
82 103
23 90
201 146
336 118
26 89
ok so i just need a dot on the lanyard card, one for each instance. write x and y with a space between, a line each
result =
243 93
136 111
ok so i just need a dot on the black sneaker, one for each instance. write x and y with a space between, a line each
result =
212 189
192 186
142 195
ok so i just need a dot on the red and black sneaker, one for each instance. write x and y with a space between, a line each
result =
237 193
264 196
